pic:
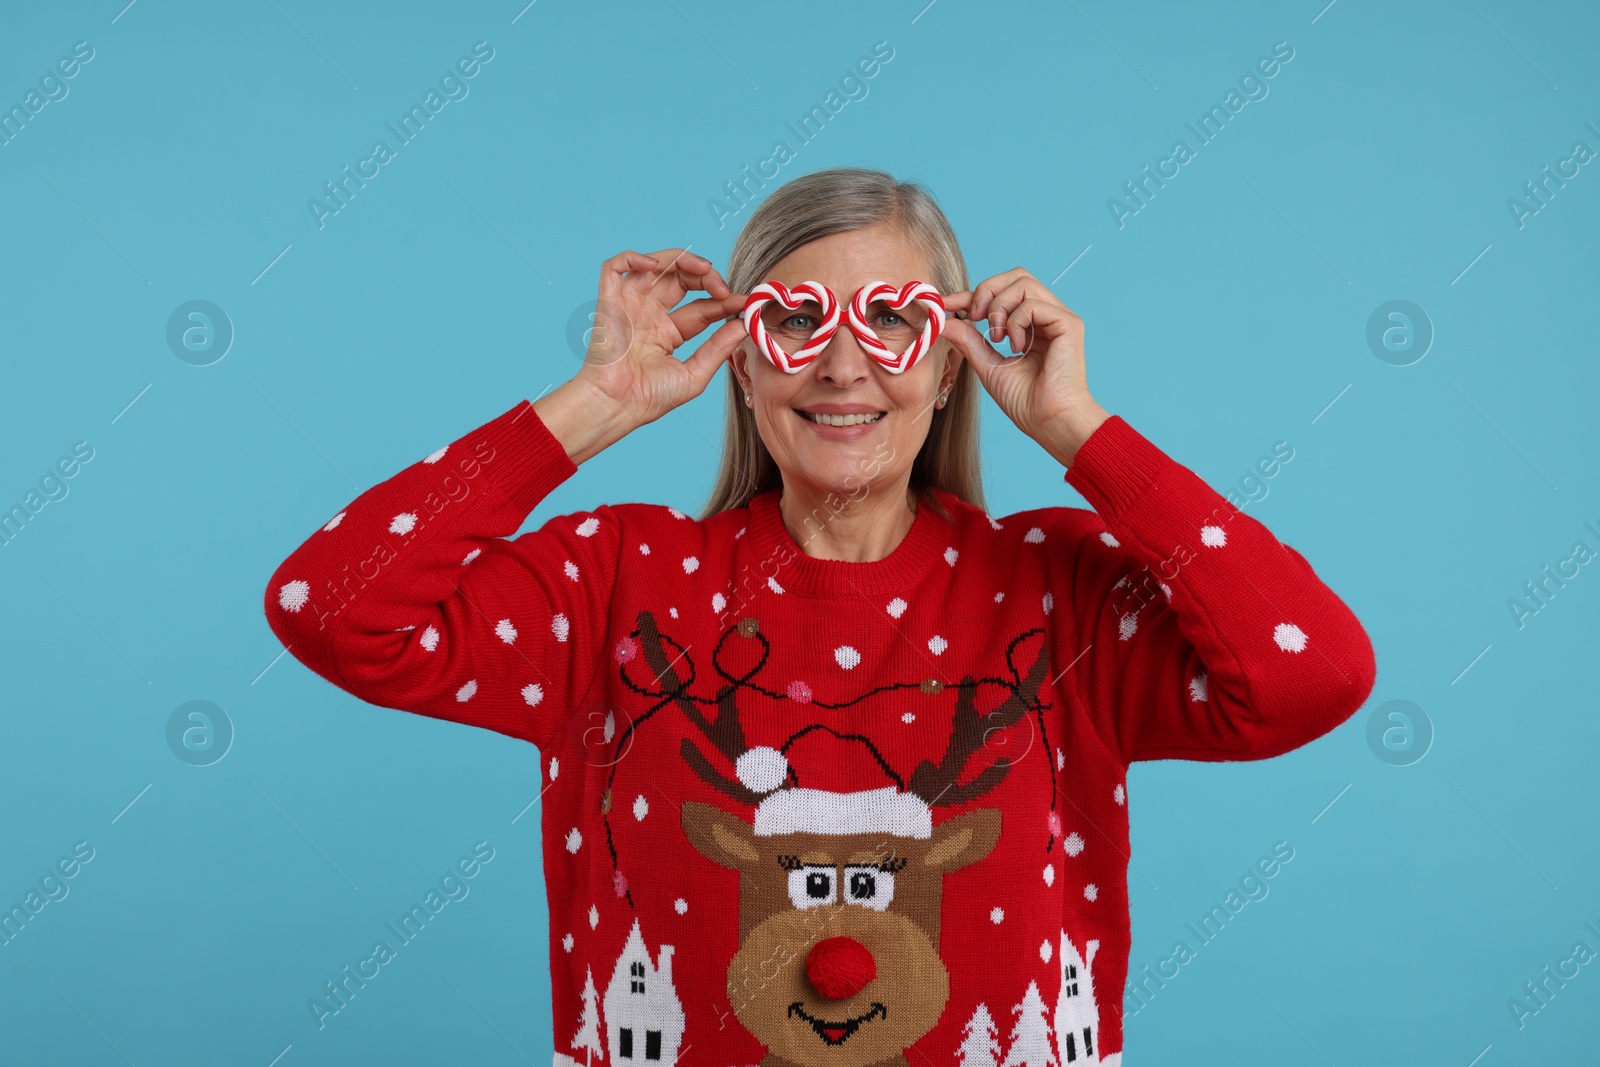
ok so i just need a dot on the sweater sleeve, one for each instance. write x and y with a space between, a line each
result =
1193 633
415 597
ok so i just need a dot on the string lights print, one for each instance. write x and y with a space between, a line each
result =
926 298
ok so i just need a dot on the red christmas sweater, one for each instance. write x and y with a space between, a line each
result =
804 811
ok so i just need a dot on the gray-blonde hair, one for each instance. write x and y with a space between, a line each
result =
801 211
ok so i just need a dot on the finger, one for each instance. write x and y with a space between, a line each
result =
683 270
698 314
1049 319
986 290
713 352
615 269
1026 287
966 339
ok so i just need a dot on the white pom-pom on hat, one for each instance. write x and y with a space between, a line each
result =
762 768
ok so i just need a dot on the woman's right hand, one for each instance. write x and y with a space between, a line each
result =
631 356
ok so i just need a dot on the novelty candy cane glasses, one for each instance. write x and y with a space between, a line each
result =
855 319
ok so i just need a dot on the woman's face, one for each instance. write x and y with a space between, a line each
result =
843 378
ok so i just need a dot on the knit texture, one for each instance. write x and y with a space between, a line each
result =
805 811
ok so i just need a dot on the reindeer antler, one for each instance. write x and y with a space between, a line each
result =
724 731
937 784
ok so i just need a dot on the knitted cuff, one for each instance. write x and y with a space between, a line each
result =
527 462
1115 465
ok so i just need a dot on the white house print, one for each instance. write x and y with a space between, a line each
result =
644 1017
1077 1022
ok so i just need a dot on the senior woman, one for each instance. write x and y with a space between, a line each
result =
835 772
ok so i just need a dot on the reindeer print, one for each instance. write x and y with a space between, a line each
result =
839 887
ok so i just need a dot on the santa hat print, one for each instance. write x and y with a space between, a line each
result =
849 788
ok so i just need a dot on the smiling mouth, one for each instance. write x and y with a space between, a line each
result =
842 420
835 1033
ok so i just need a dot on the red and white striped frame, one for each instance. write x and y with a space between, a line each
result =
855 321
897 299
791 299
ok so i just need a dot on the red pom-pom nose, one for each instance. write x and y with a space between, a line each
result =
840 967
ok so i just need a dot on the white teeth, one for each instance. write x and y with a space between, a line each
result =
842 420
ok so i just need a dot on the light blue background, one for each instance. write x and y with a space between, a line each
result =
1224 317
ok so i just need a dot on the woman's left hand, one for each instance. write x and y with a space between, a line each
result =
1044 390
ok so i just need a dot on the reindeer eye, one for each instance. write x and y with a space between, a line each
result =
870 886
811 887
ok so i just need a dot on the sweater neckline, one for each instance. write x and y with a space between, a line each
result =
796 572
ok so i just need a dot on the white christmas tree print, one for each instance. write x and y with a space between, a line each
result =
587 1039
1030 1035
980 1045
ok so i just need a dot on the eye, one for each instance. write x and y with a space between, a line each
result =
892 318
869 886
799 322
811 886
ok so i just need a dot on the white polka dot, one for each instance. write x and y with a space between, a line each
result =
999 596
897 607
739 534
474 554
908 716
1197 687
997 915
937 644
336 520
1073 844
718 601
680 905
993 524
1213 536
673 612
690 565
588 526
846 656
403 523
641 807
566 942
465 693
533 692
950 555
555 767
1061 759
1290 637
644 550
1105 535
772 584
1119 794
1049 874
574 839
505 631
294 595
1091 891
1127 625
677 514
572 569
1166 590
1049 602
594 916
429 639
1034 536
560 627
1045 950
434 457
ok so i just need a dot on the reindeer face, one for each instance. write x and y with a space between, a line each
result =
881 890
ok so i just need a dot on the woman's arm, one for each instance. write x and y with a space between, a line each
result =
412 597
1191 631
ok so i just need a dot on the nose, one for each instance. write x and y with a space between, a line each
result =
840 967
844 362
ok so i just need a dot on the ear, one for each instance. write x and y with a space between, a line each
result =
719 836
963 840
